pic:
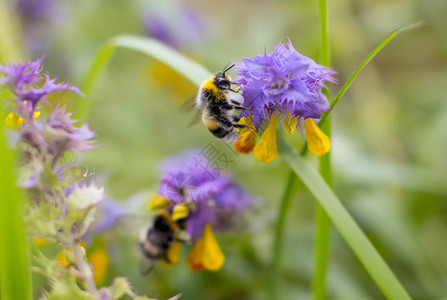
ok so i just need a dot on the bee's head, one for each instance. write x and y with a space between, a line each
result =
223 81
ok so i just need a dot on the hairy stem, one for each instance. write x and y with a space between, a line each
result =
84 268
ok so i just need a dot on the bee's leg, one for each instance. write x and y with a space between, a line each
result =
240 126
224 121
238 107
166 258
181 240
226 107
236 118
235 102
234 91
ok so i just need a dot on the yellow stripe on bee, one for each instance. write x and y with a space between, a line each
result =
209 84
211 124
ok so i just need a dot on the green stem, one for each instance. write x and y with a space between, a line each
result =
322 221
278 237
15 277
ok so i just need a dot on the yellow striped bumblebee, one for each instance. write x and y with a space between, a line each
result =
157 239
217 108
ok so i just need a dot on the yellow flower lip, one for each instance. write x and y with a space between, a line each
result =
317 142
99 258
13 120
245 121
157 202
246 142
206 253
290 123
180 211
266 150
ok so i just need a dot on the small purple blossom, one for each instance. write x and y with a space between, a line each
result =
179 26
58 134
36 94
110 214
214 198
35 9
283 81
21 74
23 77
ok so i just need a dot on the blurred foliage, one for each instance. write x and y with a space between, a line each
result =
389 136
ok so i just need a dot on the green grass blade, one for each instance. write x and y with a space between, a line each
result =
376 50
189 69
81 106
346 225
15 277
275 268
322 221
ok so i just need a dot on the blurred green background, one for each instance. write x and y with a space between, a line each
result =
390 133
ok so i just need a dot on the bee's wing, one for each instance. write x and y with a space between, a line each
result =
190 105
147 265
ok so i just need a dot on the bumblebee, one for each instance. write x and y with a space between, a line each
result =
157 238
217 108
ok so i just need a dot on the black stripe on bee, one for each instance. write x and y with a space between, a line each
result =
220 132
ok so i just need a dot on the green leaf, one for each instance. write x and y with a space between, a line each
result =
189 69
376 50
346 225
15 277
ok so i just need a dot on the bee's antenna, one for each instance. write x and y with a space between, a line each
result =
227 68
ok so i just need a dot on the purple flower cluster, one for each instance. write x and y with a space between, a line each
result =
44 141
179 26
215 199
23 79
283 81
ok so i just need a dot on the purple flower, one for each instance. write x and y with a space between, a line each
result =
213 198
110 214
189 177
36 94
35 9
58 134
222 211
181 27
19 75
283 81
24 77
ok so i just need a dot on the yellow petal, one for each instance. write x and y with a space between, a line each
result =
213 257
290 123
99 259
36 114
66 258
12 120
317 142
39 242
196 256
246 142
180 211
245 121
173 254
266 150
158 202
206 253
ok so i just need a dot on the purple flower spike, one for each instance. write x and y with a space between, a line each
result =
283 81
213 198
181 26
36 94
19 75
23 77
